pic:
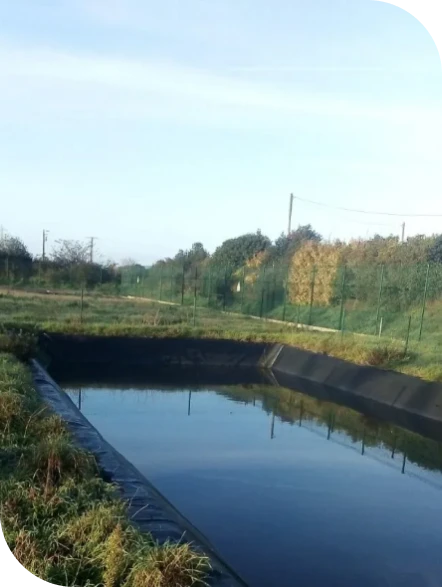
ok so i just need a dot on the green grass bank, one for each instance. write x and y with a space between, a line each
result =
69 314
60 519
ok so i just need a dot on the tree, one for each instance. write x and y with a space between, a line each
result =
286 245
235 252
128 262
70 252
191 258
435 251
13 246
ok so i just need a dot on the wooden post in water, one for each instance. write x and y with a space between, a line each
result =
301 412
394 446
272 427
403 463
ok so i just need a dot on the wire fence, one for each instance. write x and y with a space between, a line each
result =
397 301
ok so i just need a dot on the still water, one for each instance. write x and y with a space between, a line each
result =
290 490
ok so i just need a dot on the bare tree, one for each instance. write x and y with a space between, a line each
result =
70 252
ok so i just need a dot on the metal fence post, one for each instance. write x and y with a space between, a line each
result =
285 293
424 301
182 287
243 285
81 306
262 303
194 296
210 287
341 312
225 289
161 282
171 285
312 294
407 338
378 309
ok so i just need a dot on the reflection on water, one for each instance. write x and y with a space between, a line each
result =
291 490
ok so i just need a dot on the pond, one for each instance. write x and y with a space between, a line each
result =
289 490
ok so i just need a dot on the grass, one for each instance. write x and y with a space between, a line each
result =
60 519
23 315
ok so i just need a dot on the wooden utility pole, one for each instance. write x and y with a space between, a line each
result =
91 248
289 230
403 232
45 238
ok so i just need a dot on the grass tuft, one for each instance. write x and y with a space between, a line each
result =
60 519
169 566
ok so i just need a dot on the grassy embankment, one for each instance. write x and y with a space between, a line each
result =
124 317
61 520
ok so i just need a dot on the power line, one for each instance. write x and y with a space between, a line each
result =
367 211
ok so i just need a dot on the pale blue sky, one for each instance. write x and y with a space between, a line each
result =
155 125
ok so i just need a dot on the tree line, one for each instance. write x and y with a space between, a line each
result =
69 261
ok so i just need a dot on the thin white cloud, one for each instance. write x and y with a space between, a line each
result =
140 88
326 69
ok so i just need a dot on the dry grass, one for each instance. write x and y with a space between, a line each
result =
169 565
60 519
315 263
55 458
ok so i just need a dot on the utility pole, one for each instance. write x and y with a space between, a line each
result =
45 238
403 232
91 248
290 214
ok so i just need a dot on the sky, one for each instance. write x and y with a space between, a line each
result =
154 125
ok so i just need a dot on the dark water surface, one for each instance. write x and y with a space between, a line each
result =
291 491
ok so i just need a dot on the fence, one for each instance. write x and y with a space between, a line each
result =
21 272
403 302
397 301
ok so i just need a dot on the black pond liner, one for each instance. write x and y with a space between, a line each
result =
148 509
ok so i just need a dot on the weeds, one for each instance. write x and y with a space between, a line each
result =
60 519
169 566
